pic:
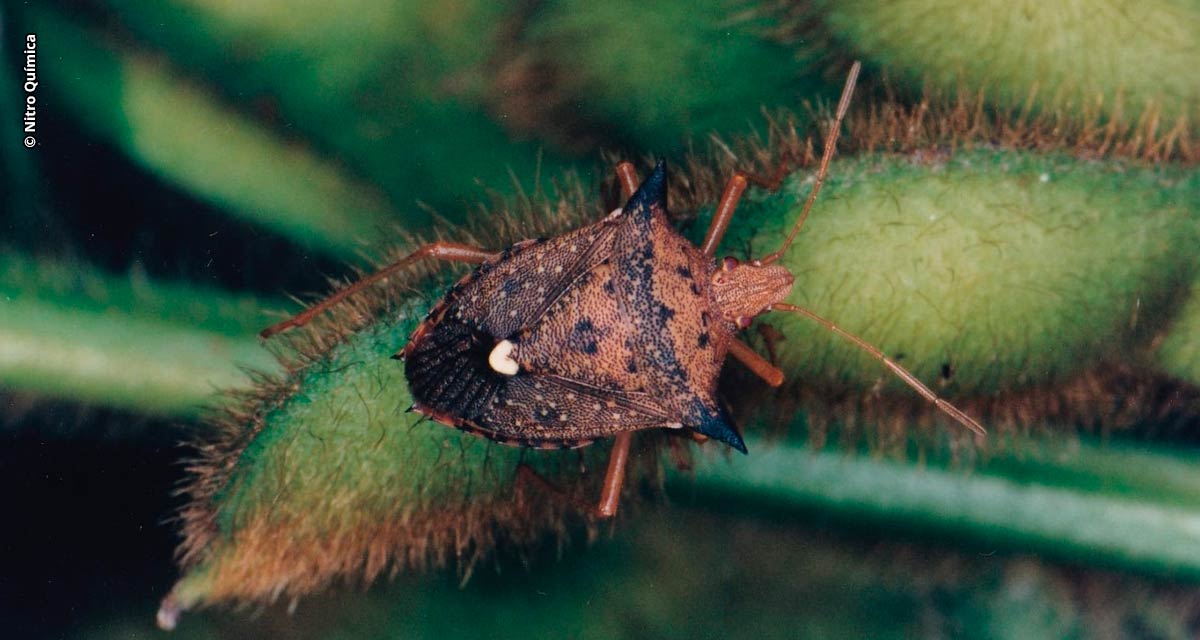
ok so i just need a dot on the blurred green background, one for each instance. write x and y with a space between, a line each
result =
197 161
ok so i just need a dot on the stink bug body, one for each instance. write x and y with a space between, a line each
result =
618 326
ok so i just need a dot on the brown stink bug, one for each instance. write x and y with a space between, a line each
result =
615 327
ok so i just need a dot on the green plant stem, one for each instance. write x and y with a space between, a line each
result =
70 332
1047 507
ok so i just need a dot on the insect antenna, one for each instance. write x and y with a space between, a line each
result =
901 372
830 147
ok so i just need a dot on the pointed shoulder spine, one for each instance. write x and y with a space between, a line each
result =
651 195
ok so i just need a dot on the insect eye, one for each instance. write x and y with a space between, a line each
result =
728 264
743 322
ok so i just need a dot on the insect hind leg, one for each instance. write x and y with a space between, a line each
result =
614 480
529 480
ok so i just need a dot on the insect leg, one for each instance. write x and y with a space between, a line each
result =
450 251
771 338
756 363
527 476
614 477
908 378
729 202
678 450
628 177
830 147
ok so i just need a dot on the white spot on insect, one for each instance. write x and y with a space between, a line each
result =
596 407
512 314
539 397
570 397
541 290
574 248
558 269
673 425
562 417
500 359
616 415
615 212
541 269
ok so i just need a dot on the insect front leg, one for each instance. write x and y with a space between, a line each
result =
741 180
449 251
756 363
729 201
771 338
628 178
